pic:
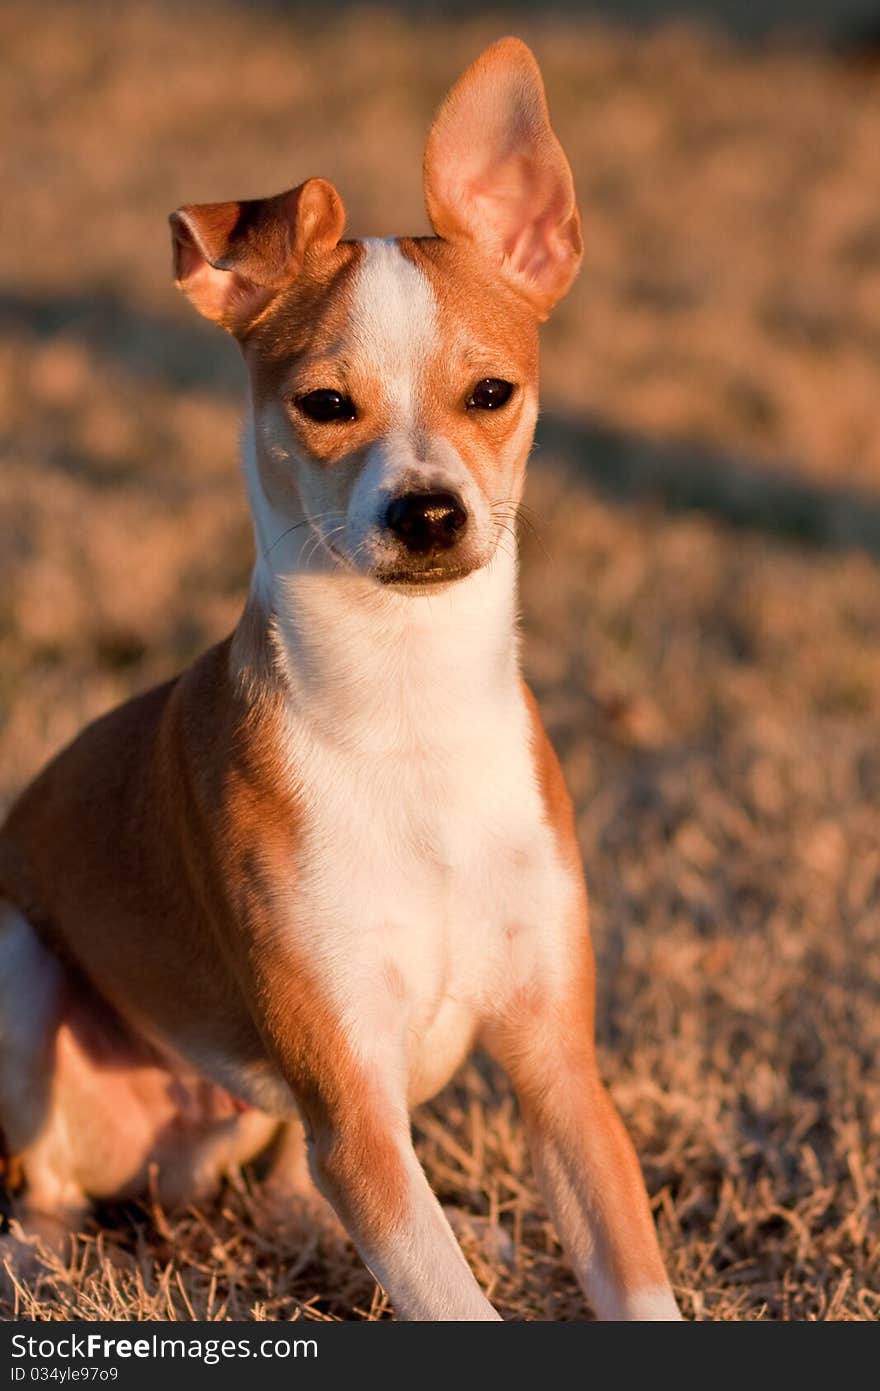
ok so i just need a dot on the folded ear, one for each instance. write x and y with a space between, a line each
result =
230 259
496 176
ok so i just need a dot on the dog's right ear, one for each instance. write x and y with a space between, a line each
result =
231 259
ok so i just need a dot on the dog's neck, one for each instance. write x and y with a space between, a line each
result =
374 668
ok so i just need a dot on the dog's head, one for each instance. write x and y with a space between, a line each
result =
394 383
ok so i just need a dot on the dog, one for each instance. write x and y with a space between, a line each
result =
278 899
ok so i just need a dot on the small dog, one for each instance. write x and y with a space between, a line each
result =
279 899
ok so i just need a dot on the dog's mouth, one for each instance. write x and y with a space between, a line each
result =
424 576
415 576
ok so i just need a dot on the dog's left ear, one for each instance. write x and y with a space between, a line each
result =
231 259
496 176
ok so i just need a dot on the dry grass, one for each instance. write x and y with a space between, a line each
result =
714 688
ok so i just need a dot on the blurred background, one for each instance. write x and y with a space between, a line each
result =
701 579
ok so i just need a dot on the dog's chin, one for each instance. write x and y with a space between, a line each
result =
417 578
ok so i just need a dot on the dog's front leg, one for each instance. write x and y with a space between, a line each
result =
584 1160
364 1163
362 1160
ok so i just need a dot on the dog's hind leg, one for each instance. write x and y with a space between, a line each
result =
31 1004
288 1186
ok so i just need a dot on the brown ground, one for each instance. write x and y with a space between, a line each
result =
701 596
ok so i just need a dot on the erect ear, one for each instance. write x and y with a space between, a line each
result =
231 258
496 176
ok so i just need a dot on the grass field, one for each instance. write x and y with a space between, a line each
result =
701 590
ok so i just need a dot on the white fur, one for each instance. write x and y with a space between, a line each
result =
30 983
427 885
426 857
30 1004
653 1306
425 1265
393 327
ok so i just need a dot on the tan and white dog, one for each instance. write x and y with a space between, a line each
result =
296 885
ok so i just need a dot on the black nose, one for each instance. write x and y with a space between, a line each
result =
426 521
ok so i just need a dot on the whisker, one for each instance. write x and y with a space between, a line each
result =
296 526
307 521
317 538
510 515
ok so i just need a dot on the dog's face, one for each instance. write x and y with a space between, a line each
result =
395 402
394 383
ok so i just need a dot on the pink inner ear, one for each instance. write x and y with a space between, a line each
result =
526 214
187 257
222 295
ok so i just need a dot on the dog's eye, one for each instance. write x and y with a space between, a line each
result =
325 405
489 394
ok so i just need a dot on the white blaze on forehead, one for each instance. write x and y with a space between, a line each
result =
393 322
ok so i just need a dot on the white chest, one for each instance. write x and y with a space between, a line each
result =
427 887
